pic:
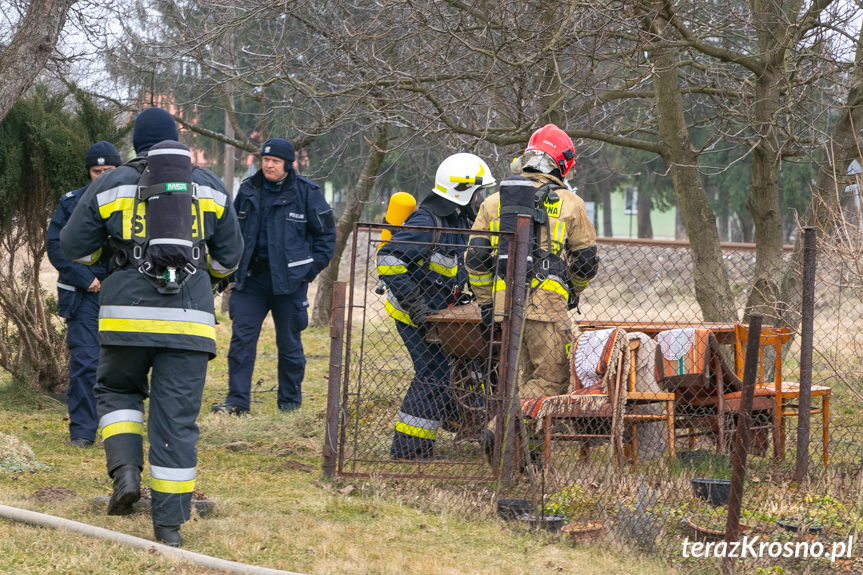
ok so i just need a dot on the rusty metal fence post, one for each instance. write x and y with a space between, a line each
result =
806 341
334 378
741 440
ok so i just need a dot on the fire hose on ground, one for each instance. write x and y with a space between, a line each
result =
214 563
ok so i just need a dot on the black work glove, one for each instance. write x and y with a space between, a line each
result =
573 304
418 310
487 314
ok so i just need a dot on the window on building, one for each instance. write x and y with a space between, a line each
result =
630 200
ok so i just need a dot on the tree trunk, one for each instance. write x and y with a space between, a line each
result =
353 209
31 47
607 230
645 226
763 202
712 290
824 205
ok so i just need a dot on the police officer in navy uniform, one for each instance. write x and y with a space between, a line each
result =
147 327
78 302
289 234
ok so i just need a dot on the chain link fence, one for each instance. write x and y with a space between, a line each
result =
640 448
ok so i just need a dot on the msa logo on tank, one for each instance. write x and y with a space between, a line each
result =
167 221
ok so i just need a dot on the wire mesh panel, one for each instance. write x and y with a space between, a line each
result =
638 447
452 359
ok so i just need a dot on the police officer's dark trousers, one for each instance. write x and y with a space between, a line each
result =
248 308
427 401
82 337
175 387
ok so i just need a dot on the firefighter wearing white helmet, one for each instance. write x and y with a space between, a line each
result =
424 273
564 257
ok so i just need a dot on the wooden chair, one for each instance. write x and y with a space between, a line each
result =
609 407
707 393
785 393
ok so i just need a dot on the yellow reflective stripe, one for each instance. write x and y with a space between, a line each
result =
157 326
122 427
494 227
416 431
579 283
550 285
442 270
168 486
557 236
499 285
209 205
480 279
391 270
90 259
397 314
216 269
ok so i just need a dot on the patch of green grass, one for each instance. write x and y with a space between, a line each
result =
274 508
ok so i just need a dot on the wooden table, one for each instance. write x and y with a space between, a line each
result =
724 332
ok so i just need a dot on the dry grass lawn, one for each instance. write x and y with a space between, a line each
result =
274 507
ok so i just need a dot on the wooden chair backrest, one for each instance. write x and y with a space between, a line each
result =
774 337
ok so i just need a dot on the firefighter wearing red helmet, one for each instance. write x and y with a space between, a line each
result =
564 257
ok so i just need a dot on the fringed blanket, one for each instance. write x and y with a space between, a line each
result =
594 363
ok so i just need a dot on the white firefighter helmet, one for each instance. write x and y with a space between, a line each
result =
460 175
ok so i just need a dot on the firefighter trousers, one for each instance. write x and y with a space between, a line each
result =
427 402
175 386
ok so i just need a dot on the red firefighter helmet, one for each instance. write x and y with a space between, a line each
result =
556 143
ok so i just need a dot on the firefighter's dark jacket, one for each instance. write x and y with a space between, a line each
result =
416 263
132 312
301 234
73 278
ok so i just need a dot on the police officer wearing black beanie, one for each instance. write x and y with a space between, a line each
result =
78 302
289 236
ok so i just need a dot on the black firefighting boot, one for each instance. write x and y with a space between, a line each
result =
168 534
127 489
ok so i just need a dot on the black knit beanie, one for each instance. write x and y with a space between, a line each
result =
102 154
280 148
153 125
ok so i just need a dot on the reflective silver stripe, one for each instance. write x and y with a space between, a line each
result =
170 241
172 473
418 421
448 262
89 258
170 152
390 260
301 262
156 313
108 196
206 192
120 415
65 286
218 267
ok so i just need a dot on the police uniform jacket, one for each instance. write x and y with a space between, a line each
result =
132 312
570 231
301 235
73 278
416 264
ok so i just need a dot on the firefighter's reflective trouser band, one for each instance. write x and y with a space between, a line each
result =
175 386
427 401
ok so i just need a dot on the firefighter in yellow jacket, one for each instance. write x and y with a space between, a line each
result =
563 249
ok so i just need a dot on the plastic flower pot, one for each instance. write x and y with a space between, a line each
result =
584 531
715 491
548 521
511 509
710 527
795 525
